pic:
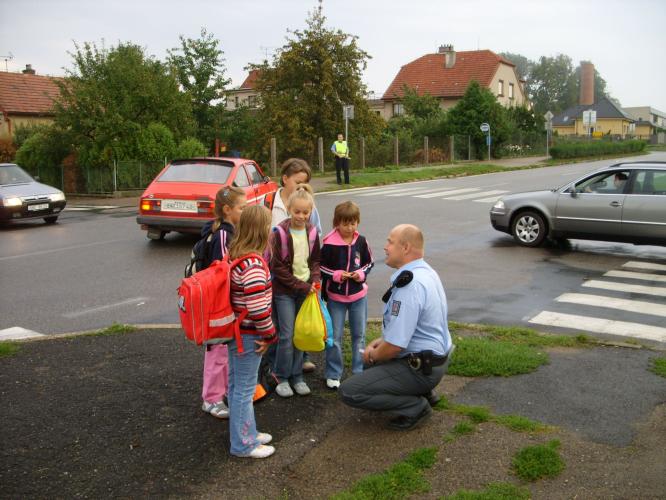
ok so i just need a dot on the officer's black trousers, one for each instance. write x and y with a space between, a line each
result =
341 164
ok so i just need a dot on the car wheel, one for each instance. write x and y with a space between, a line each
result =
51 220
529 229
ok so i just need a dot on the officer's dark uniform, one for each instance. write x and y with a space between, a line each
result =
415 319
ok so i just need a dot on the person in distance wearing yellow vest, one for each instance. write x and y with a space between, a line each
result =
341 152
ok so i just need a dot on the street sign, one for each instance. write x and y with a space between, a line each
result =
548 116
484 127
488 139
589 117
348 112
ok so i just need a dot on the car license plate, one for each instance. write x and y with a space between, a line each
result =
35 208
179 206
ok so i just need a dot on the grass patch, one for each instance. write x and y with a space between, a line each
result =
476 414
523 335
483 357
519 423
114 329
658 366
9 349
536 462
494 491
400 481
461 429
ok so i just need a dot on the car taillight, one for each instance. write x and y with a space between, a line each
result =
150 205
205 207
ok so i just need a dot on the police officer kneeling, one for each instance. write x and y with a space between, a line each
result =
412 356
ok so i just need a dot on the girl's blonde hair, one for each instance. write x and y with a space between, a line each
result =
303 192
251 235
347 211
229 196
295 166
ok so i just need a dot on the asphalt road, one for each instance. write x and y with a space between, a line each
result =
94 268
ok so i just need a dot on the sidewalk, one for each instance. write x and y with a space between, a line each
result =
118 416
318 183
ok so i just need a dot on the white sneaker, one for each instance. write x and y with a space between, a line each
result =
264 437
261 451
206 406
332 383
301 389
219 410
284 390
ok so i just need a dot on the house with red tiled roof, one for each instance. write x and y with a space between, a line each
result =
246 94
446 75
25 99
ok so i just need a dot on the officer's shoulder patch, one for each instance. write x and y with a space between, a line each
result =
395 308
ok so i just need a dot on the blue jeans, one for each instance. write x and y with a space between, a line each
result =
288 365
358 316
243 369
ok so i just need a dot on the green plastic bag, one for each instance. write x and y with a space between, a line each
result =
310 325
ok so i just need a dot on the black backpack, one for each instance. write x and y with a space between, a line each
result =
202 253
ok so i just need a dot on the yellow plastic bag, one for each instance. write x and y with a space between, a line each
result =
310 325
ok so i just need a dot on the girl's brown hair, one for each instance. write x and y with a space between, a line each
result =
303 192
347 211
226 196
295 166
251 235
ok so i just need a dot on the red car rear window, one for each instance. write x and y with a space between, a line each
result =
210 173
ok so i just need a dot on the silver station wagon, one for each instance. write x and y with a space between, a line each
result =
625 202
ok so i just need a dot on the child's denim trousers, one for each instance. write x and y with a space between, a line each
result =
358 316
288 365
243 369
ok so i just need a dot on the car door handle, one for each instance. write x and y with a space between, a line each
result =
615 204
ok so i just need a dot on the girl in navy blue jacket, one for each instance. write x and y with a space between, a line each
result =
346 261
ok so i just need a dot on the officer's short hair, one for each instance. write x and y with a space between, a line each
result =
295 166
347 211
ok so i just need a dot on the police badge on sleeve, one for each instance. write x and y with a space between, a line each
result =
395 308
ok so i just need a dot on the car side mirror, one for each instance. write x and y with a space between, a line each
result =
573 192
266 179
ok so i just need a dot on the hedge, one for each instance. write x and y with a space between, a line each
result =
595 148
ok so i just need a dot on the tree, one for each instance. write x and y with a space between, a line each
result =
479 105
552 85
302 92
111 95
198 66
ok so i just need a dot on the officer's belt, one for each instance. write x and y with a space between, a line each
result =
415 359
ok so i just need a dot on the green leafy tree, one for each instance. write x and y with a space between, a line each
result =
190 147
111 95
478 106
43 153
155 143
303 90
552 85
198 65
239 129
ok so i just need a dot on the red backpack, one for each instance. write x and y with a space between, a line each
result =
204 304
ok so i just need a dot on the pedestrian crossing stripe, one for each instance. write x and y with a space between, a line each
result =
492 199
636 276
420 191
634 306
390 191
645 265
600 325
475 195
447 192
624 287
17 333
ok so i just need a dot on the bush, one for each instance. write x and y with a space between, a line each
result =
155 142
435 155
578 149
190 148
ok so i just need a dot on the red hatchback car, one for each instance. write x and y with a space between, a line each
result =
182 196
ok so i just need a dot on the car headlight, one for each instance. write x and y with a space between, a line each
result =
499 205
57 196
12 202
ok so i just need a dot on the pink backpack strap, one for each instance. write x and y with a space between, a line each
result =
284 248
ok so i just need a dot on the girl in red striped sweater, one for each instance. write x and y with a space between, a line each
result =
251 292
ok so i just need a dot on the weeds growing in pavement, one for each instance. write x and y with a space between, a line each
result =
399 481
494 491
658 366
539 461
114 329
460 429
520 424
8 348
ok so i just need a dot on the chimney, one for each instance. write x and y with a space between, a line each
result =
449 55
586 83
28 70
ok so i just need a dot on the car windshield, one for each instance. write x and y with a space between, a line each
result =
13 174
206 172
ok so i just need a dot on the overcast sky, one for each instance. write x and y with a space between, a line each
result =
626 41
